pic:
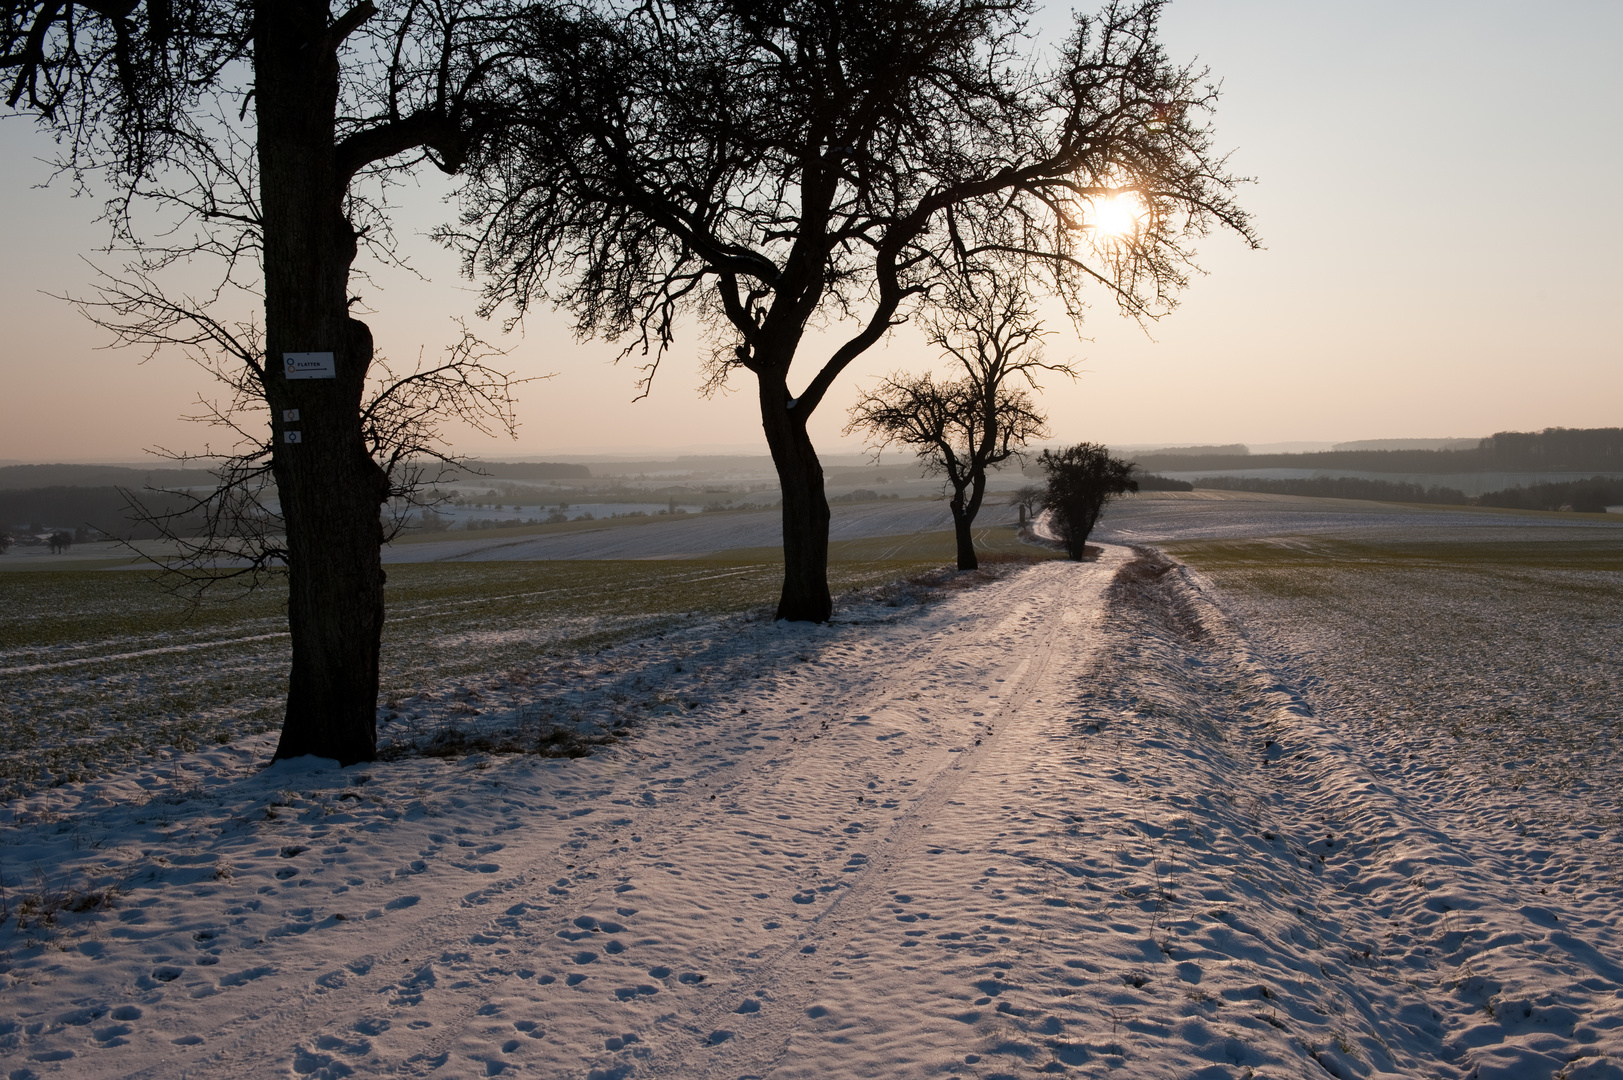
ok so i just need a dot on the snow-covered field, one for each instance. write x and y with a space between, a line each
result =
683 537
101 672
1084 819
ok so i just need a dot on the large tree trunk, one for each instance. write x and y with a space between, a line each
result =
805 595
963 519
331 490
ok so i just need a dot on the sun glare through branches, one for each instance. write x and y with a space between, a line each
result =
1114 217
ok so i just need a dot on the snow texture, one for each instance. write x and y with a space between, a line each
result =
1066 822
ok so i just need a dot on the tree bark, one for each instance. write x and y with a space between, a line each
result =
331 490
963 518
805 596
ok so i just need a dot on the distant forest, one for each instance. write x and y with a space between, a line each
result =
1152 482
1550 450
1590 496
524 470
103 509
34 498
1339 487
18 477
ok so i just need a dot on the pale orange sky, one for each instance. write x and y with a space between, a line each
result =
1436 193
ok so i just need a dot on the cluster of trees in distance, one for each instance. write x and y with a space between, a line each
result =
1551 450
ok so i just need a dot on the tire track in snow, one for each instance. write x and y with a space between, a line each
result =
872 693
709 1048
434 933
191 646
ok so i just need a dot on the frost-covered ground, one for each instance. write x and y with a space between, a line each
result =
1170 516
101 672
1153 517
1071 821
682 537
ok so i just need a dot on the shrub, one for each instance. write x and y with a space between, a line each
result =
1082 480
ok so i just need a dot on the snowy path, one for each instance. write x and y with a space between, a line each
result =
1064 822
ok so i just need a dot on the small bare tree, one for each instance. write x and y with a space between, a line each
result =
1028 499
965 427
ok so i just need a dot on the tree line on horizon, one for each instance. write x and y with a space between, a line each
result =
1591 496
1554 449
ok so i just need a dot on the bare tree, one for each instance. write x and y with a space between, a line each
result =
1082 480
770 168
962 428
264 135
1029 499
235 534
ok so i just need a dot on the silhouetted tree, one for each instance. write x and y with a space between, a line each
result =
1590 496
1029 499
432 521
263 134
962 428
774 167
1082 481
60 541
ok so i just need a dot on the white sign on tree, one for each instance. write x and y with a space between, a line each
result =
308 365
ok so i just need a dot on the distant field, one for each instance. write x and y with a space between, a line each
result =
1507 655
101 670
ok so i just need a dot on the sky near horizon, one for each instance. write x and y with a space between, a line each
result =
1435 191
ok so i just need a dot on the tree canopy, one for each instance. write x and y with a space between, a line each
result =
1082 480
770 168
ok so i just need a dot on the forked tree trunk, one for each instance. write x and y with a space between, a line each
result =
331 490
805 596
965 505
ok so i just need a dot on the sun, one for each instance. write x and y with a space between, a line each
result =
1115 216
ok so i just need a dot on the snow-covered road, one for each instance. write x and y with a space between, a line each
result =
1064 822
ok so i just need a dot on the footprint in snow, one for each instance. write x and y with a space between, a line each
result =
112 1036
